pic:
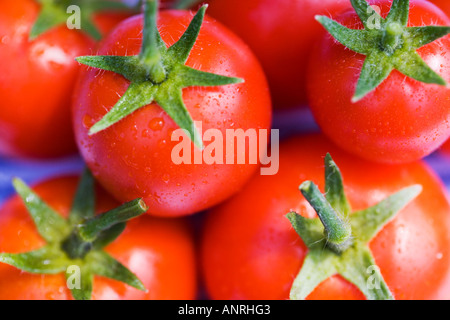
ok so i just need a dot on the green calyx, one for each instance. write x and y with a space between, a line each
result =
158 74
57 12
338 241
76 244
388 44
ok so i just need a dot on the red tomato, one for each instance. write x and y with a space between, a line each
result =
106 21
251 251
151 248
443 4
281 34
446 147
133 157
402 120
37 80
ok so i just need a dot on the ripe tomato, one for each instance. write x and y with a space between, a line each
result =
442 4
133 158
281 34
250 250
402 120
446 147
106 21
151 248
37 80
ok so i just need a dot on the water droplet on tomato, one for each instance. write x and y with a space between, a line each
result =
50 296
162 143
145 133
88 121
156 124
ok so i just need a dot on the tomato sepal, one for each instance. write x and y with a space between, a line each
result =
158 74
46 260
77 241
389 45
50 225
338 242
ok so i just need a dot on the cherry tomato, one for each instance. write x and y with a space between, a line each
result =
281 34
133 158
250 250
37 80
151 248
402 120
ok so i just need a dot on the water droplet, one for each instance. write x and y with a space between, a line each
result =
162 143
50 296
88 121
145 133
156 124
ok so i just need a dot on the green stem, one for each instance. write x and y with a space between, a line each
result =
81 240
337 231
75 247
92 228
392 36
150 55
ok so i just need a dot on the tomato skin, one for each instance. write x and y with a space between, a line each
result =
249 249
446 147
166 4
107 20
281 34
403 120
152 248
132 158
444 5
37 80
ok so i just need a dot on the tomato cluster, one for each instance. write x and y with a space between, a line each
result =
172 110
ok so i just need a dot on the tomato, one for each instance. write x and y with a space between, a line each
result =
249 250
133 157
37 80
153 249
281 34
442 4
403 119
105 21
166 4
446 147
